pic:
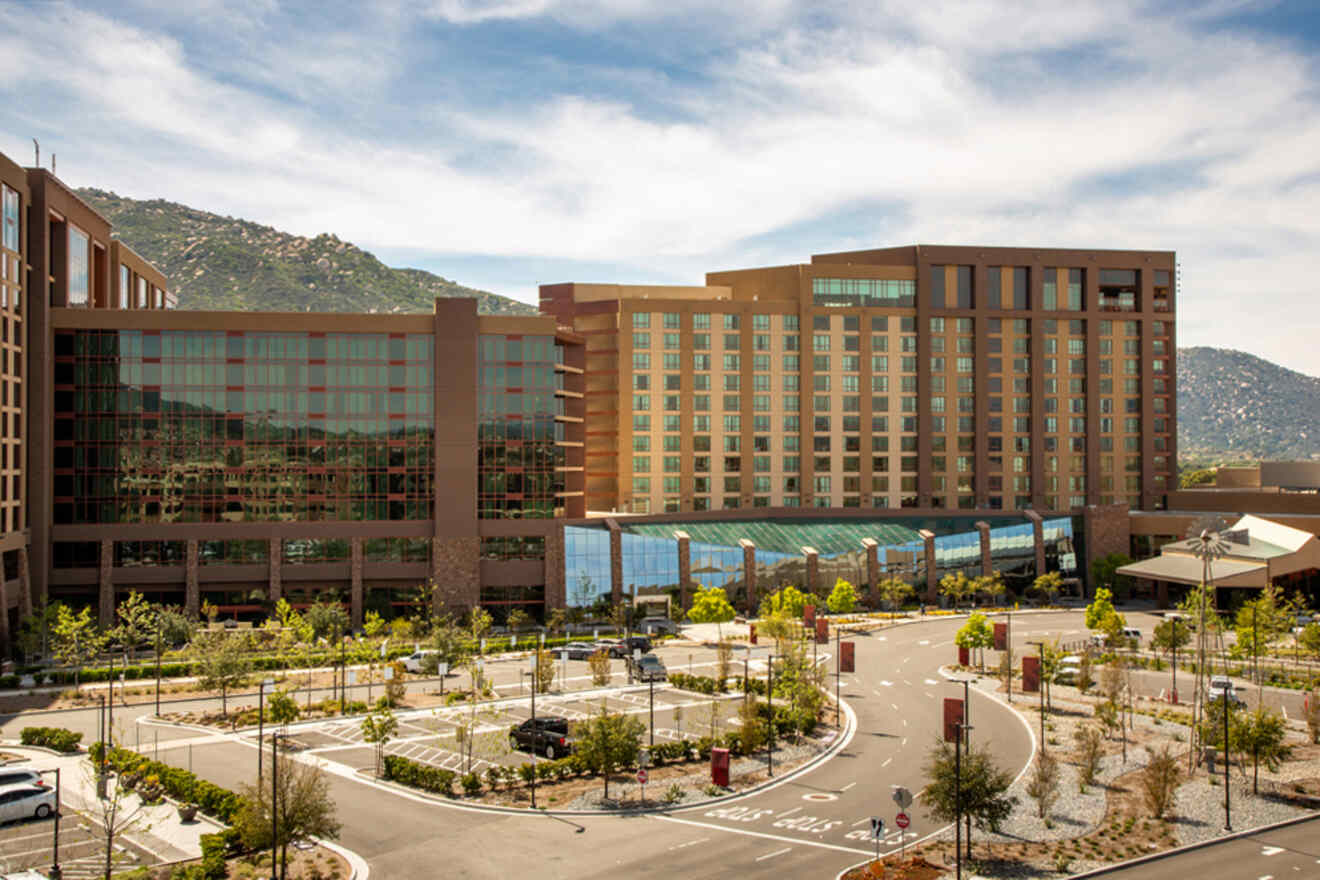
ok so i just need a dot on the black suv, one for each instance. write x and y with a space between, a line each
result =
636 643
548 736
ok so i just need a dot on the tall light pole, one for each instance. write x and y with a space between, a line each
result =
274 803
158 649
1040 687
56 872
261 722
963 730
1228 816
1208 546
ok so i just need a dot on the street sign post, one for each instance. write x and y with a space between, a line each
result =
901 820
902 797
877 832
641 777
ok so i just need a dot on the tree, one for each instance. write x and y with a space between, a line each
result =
976 634
752 727
34 630
894 591
556 620
788 601
1309 639
1262 735
599 662
1312 714
1104 572
1159 781
545 671
209 610
137 623
984 787
1199 477
1259 622
304 809
843 598
378 728
479 622
1048 585
621 616
711 605
518 619
282 708
326 619
111 817
75 638
450 644
956 587
1170 635
1100 608
1090 747
723 663
222 663
176 628
373 624
988 585
1043 786
396 686
606 742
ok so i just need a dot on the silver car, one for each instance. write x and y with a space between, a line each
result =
26 801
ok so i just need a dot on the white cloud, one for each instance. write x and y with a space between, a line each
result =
933 106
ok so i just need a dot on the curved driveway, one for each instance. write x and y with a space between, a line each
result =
816 822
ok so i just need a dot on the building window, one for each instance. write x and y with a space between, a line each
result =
125 287
79 271
9 219
641 320
844 292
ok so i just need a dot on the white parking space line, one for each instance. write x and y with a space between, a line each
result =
690 843
1269 850
771 855
931 681
848 786
886 763
788 812
894 706
760 834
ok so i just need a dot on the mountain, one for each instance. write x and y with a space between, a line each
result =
1235 405
223 263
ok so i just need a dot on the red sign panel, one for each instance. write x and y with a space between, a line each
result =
752 635
641 776
847 659
901 820
809 616
953 717
964 656
719 766
1001 636
822 631
1030 674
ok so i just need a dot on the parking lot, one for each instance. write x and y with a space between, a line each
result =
28 844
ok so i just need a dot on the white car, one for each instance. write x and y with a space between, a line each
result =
26 801
1221 687
1069 668
413 662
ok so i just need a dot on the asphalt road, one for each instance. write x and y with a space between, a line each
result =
812 824
1292 851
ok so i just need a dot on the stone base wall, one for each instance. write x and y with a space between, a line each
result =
1107 530
457 566
556 591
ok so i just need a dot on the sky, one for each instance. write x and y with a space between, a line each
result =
510 143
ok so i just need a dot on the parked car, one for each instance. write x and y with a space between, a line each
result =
15 777
1133 635
1222 687
26 801
416 661
637 643
547 736
614 647
1303 621
653 625
648 668
575 651
1069 668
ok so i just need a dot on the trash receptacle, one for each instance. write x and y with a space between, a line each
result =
719 767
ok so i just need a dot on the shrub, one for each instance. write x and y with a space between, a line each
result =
1159 781
494 776
471 784
57 738
527 772
674 794
423 776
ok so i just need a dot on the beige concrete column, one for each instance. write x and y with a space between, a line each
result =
355 606
684 568
872 570
616 561
276 550
192 594
932 582
25 583
813 568
987 561
4 617
749 573
106 603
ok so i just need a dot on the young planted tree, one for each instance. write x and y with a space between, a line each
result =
75 638
378 729
723 664
843 598
222 664
988 585
788 601
518 619
1101 616
1159 780
327 620
1312 714
976 635
606 742
111 817
1090 749
556 620
304 809
956 587
984 787
545 671
894 591
137 623
1048 586
373 625
1043 787
599 663
282 708
396 686
711 605
479 623
1262 737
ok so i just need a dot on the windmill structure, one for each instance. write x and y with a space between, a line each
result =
1207 546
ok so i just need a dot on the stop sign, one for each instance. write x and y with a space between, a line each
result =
901 820
641 776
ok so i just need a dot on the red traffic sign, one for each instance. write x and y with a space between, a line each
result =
901 820
641 776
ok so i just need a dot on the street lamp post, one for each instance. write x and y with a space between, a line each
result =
1228 815
261 722
651 682
56 872
158 648
1040 686
963 729
770 701
274 803
532 673
105 746
967 742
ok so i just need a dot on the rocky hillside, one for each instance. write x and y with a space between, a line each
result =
216 262
1235 405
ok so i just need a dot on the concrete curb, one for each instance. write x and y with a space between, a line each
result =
839 743
361 870
1169 853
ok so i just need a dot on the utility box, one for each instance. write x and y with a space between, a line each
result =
1001 636
809 616
822 631
751 637
953 719
719 767
964 656
1030 674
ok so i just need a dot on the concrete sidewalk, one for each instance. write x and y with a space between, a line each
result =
159 831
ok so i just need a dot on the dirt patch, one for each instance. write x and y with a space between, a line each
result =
915 868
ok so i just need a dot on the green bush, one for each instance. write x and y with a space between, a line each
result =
423 776
471 783
57 738
178 783
527 772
